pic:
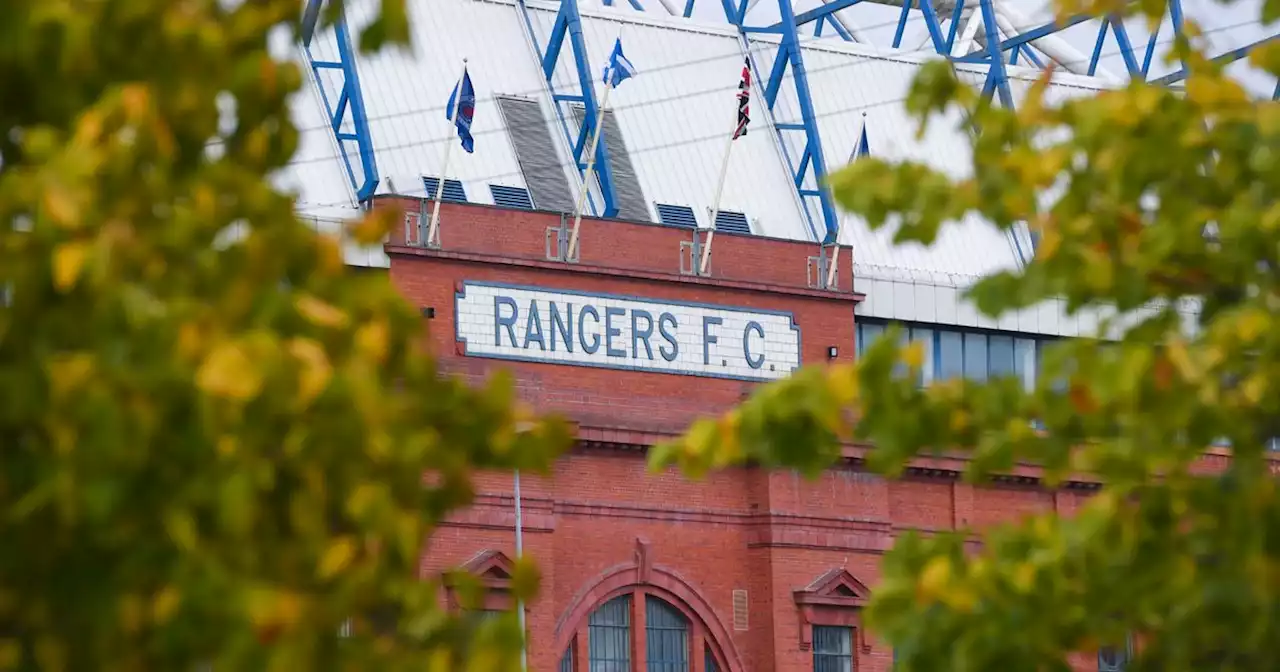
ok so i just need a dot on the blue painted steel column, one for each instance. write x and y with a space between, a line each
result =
812 164
997 79
955 23
568 26
349 105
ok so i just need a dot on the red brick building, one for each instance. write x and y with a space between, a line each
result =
747 570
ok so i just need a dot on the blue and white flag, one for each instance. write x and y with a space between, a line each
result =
619 68
462 109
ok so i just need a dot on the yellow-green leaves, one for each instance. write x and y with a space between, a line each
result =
68 261
215 434
336 557
1156 239
229 372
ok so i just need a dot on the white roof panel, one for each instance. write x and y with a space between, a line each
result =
675 116
678 113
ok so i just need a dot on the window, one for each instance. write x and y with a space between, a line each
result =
866 334
1114 659
670 640
975 357
951 355
832 649
609 636
666 637
958 353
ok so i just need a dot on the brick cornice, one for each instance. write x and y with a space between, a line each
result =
944 467
598 271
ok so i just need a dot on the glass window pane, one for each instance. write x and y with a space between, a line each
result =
867 333
832 649
709 661
950 355
1000 350
1024 362
925 338
609 636
975 356
666 637
904 339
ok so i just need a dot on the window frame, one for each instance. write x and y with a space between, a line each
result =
849 654
576 657
834 599
1027 348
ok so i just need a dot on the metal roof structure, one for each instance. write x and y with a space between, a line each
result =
377 125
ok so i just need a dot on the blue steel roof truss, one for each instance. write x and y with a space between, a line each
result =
568 27
347 106
997 79
809 169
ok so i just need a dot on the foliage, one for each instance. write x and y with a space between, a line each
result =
1157 210
214 435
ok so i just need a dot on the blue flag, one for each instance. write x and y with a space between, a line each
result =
619 68
462 109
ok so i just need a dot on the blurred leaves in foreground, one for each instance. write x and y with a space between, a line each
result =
213 434
1156 210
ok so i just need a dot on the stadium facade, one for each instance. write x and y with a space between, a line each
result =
620 325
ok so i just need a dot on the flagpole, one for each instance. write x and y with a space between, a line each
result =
433 231
835 254
591 169
705 262
715 212
524 654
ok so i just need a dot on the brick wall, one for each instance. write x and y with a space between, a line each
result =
601 516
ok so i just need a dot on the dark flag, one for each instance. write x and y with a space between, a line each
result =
461 110
744 99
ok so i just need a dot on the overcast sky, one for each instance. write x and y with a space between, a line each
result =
1227 26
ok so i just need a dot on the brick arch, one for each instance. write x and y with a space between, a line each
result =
659 582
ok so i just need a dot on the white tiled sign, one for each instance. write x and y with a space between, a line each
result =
620 332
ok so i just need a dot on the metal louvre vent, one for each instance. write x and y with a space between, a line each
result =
453 191
676 215
536 154
739 610
631 203
510 197
733 222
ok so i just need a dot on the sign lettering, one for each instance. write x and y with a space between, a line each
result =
619 332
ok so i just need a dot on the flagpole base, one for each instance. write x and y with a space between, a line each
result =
694 259
557 243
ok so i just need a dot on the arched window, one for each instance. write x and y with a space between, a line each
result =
666 637
613 641
1115 659
609 633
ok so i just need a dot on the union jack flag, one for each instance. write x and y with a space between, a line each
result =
744 99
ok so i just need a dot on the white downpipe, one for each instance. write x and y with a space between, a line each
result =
1013 22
